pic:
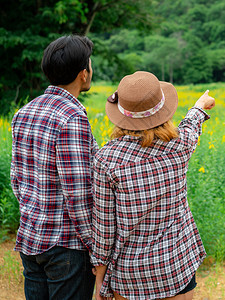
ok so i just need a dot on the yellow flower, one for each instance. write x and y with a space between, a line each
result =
223 139
211 145
202 169
104 133
103 143
109 131
106 118
9 129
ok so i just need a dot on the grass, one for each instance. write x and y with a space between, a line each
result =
11 268
206 174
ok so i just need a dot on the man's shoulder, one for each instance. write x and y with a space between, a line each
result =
51 105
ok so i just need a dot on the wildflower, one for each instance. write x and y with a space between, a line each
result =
211 145
104 133
202 169
106 118
109 131
223 139
204 127
103 143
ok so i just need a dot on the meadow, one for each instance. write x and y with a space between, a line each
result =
206 174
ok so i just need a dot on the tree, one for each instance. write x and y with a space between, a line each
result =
167 52
27 27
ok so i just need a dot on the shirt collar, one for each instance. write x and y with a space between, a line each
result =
130 138
55 90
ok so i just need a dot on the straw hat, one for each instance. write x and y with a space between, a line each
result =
142 102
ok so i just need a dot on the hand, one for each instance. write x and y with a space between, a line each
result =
97 293
99 271
205 101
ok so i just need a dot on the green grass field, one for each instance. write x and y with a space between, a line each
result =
206 174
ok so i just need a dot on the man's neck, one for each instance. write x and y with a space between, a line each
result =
72 88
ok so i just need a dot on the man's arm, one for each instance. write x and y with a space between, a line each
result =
75 148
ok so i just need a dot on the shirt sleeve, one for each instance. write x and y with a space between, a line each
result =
104 219
75 149
190 128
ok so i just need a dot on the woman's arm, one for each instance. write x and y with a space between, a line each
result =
190 128
103 223
100 274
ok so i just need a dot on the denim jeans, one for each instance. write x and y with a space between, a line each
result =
58 274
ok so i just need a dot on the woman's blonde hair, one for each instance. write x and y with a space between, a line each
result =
165 132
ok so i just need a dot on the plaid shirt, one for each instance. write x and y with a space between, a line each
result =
143 228
52 156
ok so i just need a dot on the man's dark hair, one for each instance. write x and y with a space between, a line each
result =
65 57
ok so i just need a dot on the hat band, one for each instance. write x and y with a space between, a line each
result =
142 114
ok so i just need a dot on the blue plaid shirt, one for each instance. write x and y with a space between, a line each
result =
51 172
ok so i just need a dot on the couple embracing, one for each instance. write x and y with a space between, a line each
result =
117 216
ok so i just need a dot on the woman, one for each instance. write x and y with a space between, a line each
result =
145 242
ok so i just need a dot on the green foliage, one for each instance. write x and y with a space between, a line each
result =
187 47
27 27
206 196
9 207
181 41
9 212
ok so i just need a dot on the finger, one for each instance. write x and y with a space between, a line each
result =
206 92
211 105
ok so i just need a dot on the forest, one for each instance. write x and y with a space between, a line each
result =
181 41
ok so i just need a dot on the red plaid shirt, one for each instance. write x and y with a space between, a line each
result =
51 172
143 228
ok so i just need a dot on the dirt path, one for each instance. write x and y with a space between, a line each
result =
210 277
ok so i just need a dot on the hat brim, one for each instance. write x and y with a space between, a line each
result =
160 117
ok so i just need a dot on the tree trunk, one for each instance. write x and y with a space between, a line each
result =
91 18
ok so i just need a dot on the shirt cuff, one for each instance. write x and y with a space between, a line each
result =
98 261
206 116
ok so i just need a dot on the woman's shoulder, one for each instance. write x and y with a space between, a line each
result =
119 150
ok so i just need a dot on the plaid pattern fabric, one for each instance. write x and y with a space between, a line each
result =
51 172
143 228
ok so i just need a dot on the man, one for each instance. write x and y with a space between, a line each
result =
51 176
